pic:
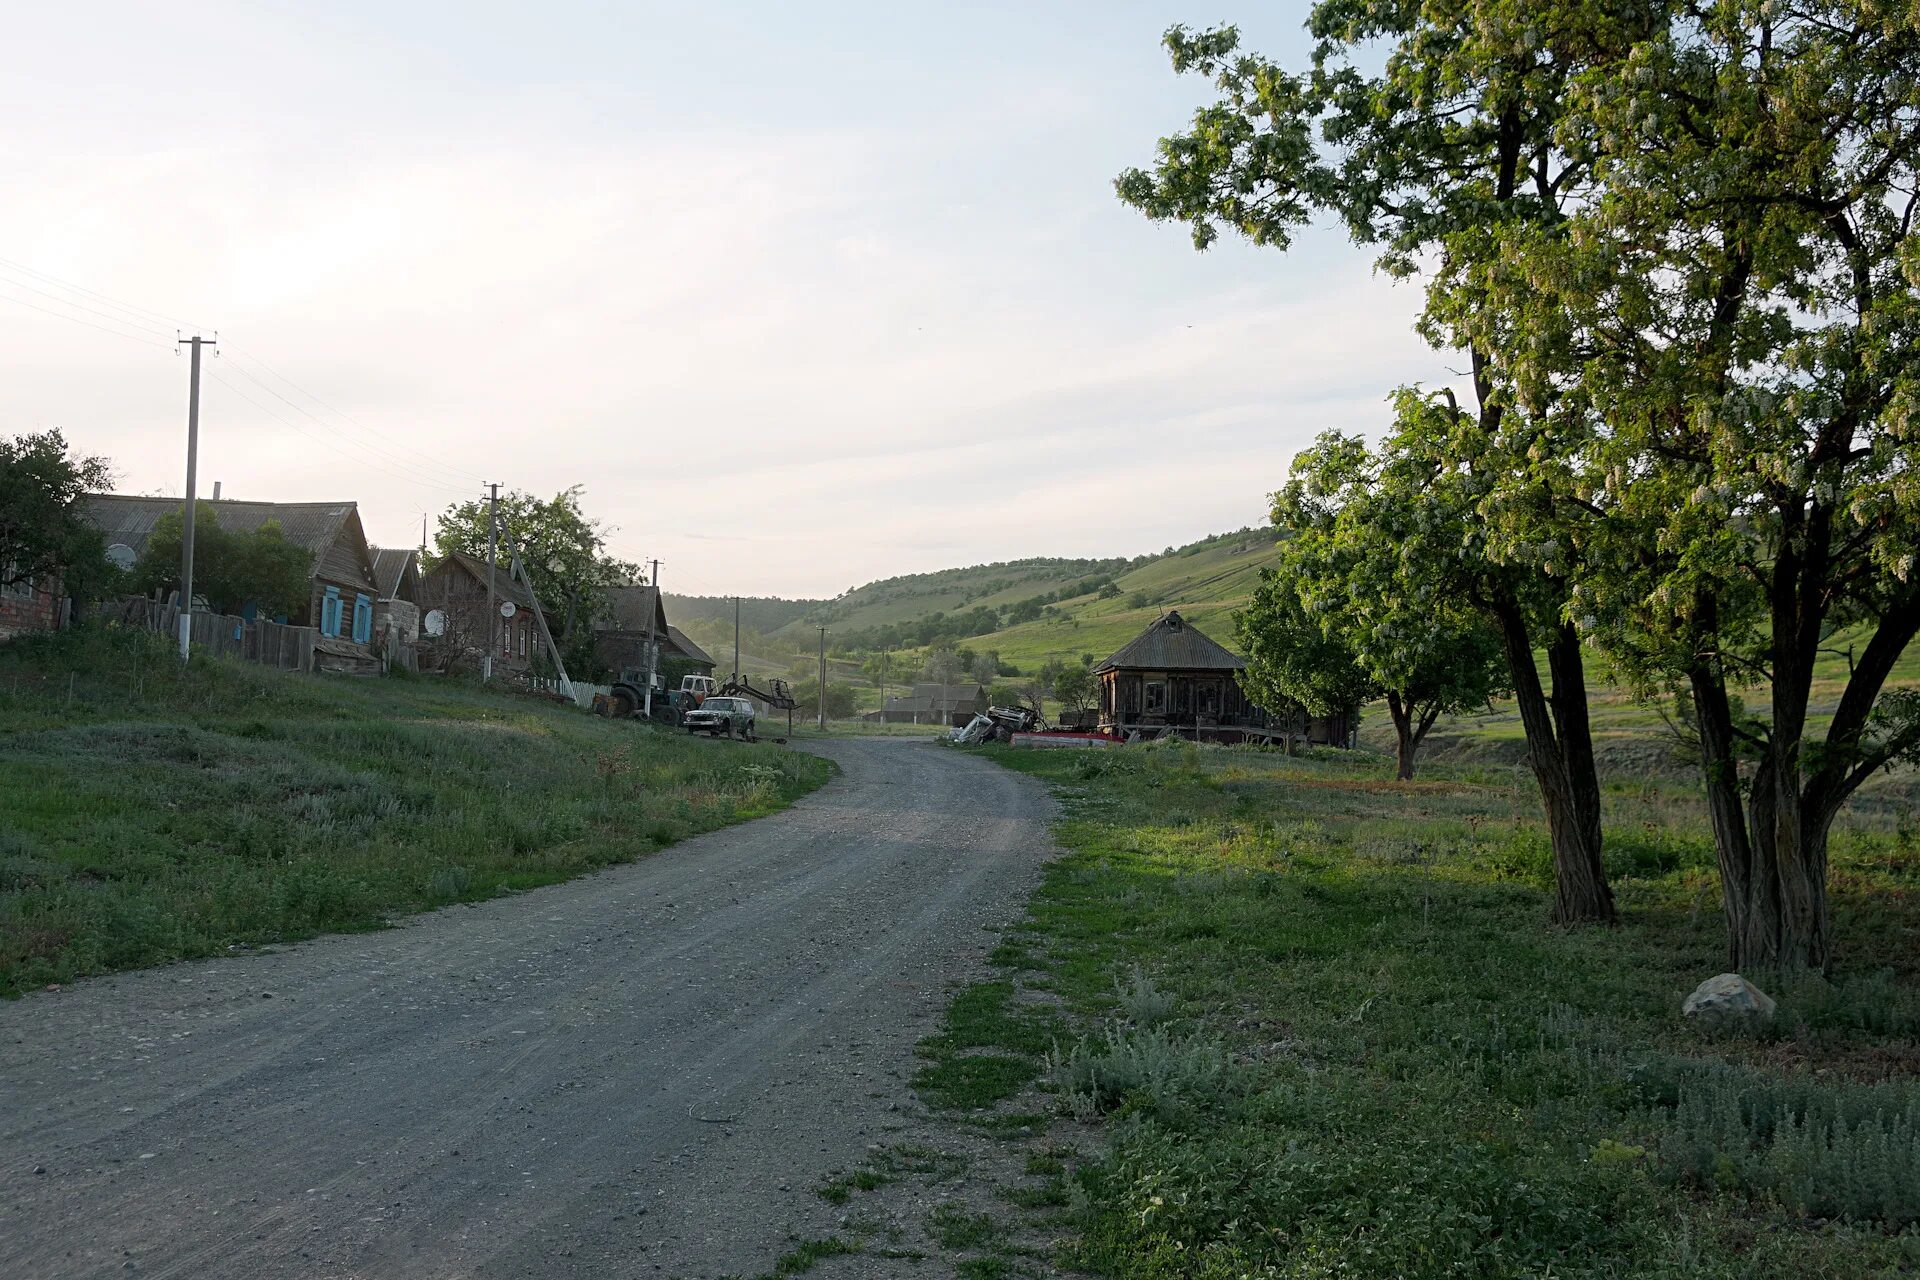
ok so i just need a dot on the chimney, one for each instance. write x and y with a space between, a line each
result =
216 491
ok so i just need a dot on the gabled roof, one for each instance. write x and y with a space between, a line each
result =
678 639
390 565
1172 644
628 607
475 568
130 519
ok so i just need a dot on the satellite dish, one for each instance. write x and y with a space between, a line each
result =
121 556
508 609
435 623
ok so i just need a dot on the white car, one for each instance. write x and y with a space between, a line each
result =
721 715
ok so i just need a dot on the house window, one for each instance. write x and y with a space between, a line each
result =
22 590
362 619
331 610
524 628
1156 697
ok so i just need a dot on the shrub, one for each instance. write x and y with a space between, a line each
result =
1096 1076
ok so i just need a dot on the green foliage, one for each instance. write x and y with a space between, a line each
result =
806 693
1351 1081
1074 687
232 569
42 534
565 555
168 811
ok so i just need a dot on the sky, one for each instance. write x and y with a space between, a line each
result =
802 295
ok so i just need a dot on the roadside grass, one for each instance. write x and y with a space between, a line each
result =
150 812
1323 1028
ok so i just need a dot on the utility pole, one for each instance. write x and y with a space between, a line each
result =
423 534
736 639
821 694
653 645
193 463
493 535
885 654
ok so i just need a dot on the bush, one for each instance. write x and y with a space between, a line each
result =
1144 1062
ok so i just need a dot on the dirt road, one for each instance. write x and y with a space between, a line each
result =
644 1072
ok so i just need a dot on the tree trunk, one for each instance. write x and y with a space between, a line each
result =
1403 736
1560 749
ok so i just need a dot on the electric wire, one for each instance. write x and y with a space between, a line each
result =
429 464
119 333
414 479
141 325
144 312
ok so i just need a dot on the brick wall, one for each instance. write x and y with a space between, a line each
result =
36 611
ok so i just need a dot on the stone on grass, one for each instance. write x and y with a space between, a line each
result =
1728 997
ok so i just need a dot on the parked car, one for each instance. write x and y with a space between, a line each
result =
717 715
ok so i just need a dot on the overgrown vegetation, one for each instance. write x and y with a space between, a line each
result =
150 812
1327 1029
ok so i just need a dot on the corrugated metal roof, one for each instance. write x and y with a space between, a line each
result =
389 567
1173 644
131 519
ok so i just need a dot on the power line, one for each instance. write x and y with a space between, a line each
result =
119 333
154 329
415 480
129 308
438 473
435 463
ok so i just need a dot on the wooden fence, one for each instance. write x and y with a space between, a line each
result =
221 634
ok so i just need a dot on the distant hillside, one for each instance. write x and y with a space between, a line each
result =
757 613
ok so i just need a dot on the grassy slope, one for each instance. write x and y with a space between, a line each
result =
159 813
1351 1044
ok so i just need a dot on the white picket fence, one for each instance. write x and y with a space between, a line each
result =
582 693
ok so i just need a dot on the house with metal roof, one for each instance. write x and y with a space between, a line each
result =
947 704
342 592
1174 678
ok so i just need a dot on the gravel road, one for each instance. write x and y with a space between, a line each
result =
643 1072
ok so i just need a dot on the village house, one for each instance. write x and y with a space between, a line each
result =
944 704
1172 677
341 591
456 589
620 638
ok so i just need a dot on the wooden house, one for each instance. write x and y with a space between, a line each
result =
947 704
456 587
1173 677
633 613
341 590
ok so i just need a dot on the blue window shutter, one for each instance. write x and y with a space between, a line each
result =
330 612
362 619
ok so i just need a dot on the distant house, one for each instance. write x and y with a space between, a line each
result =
396 605
456 588
1173 677
944 704
341 590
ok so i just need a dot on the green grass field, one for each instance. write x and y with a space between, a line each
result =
1321 1027
151 813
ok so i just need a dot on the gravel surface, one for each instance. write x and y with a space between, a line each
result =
642 1072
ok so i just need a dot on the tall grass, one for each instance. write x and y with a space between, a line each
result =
150 811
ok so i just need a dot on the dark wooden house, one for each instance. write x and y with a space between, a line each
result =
1173 677
341 588
456 588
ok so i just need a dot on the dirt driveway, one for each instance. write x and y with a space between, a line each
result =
645 1072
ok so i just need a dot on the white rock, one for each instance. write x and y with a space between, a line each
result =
1728 996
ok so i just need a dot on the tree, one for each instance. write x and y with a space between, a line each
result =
565 557
1384 623
232 569
1456 133
1722 331
806 694
941 665
43 536
1074 687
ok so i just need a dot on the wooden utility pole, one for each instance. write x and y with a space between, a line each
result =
736 639
493 537
193 464
821 694
653 644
